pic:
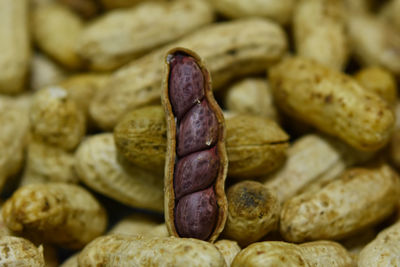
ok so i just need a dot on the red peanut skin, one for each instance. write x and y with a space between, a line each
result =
186 84
198 130
195 172
196 214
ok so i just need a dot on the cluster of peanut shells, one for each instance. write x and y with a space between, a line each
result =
305 154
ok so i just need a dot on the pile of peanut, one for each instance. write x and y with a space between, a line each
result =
309 94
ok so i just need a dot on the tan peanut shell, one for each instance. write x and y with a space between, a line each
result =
45 163
125 251
63 214
384 250
14 44
380 81
251 96
228 248
374 41
255 145
312 158
99 166
360 198
125 34
253 212
56 119
332 102
140 224
56 29
45 72
17 251
141 136
171 154
279 11
257 44
14 132
319 31
276 253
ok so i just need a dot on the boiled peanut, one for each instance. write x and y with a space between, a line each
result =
275 253
360 198
125 250
54 213
332 102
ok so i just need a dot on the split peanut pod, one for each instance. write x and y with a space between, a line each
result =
196 161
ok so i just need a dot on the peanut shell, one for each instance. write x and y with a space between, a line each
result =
332 102
125 250
253 212
55 213
360 198
275 253
56 29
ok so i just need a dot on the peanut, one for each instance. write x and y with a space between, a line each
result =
141 136
256 146
56 119
360 198
319 31
99 166
196 162
275 253
125 250
253 212
56 30
54 213
257 44
14 44
332 102
136 32
17 251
